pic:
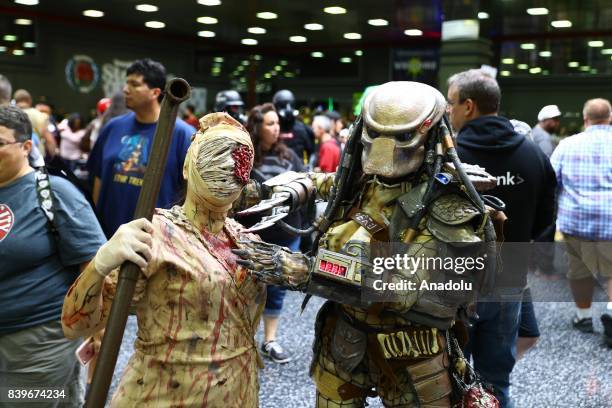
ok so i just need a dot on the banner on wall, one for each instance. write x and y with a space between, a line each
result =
113 76
82 73
419 65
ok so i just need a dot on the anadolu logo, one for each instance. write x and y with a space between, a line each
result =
82 73
510 179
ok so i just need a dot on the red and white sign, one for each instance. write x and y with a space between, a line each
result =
7 220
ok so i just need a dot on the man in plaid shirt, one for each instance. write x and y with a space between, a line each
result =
583 164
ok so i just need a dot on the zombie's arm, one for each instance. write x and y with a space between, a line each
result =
85 308
88 300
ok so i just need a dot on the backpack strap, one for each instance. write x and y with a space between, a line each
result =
45 198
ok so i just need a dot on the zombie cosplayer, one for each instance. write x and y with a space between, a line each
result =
399 181
197 310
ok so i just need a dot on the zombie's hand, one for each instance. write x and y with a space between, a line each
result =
274 264
131 242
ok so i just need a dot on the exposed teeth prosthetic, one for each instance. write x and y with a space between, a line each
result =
219 161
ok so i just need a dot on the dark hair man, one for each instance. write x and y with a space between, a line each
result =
526 183
120 156
38 265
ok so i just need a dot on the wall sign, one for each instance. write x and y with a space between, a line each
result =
82 73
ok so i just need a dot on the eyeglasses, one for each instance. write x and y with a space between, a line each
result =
5 143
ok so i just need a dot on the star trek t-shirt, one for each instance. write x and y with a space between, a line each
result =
119 158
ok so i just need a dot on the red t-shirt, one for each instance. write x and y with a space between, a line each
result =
329 156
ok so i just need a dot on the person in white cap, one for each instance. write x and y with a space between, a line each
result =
549 121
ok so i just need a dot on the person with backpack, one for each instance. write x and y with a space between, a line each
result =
48 233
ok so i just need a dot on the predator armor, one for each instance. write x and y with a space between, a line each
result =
399 181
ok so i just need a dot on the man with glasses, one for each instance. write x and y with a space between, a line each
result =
526 183
37 266
120 155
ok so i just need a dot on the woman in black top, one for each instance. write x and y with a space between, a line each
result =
272 158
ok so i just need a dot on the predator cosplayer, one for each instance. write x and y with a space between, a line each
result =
399 181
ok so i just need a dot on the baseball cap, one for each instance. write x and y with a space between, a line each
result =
548 112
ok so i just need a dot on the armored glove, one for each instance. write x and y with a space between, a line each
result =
274 265
131 242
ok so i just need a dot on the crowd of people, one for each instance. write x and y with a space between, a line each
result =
198 304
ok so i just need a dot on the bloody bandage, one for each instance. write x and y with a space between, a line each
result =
243 157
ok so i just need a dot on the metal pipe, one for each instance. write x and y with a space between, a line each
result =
177 90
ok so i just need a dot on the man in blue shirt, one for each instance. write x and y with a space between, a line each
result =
583 164
37 266
120 156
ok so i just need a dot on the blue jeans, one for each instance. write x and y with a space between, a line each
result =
276 294
492 345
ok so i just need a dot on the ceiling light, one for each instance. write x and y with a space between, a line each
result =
585 68
378 22
10 37
504 73
289 75
298 39
283 62
561 23
146 8
93 13
535 70
218 59
257 57
593 71
508 61
2 48
482 15
346 60
358 53
352 36
23 21
244 63
27 2
248 41
545 54
596 43
29 44
522 66
209 2
267 75
334 10
256 30
413 32
537 11
155 24
528 46
267 15
207 20
206 34
316 54
18 52
278 68
606 51
573 64
313 26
